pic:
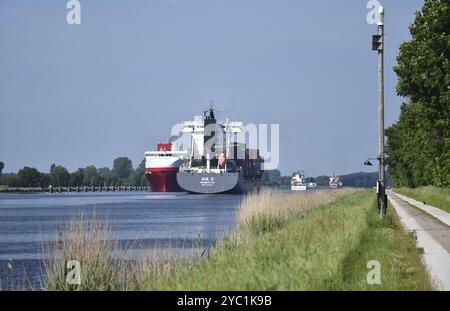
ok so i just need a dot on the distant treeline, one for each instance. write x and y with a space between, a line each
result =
122 174
418 145
273 178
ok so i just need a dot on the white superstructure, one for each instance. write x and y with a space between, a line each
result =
298 182
164 159
334 182
196 129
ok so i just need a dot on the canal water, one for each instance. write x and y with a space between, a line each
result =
27 221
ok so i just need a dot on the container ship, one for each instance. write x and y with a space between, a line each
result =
161 168
215 164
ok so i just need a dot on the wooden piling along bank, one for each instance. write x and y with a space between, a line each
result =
74 189
95 189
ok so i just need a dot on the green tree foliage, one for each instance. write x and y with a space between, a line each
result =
2 166
107 177
122 167
76 178
360 180
29 177
10 180
137 178
271 177
44 180
91 177
59 176
322 180
418 144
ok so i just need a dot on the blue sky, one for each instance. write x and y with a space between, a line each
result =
80 95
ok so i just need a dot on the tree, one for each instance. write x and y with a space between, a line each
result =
418 143
322 180
76 178
59 176
10 180
44 181
122 168
91 177
2 166
361 180
137 178
271 176
29 177
106 176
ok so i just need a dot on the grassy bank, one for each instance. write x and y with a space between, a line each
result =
318 241
395 249
437 197
325 249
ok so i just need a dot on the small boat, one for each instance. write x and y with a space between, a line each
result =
312 185
298 182
334 182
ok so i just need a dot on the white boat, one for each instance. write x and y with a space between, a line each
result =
335 183
312 185
298 182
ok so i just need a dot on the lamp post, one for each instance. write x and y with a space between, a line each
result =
378 45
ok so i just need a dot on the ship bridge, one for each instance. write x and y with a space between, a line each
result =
196 129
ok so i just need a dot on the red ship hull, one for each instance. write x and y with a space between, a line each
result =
162 179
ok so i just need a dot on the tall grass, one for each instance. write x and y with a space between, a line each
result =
437 197
318 250
267 211
304 241
16 278
105 264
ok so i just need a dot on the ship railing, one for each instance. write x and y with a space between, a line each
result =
191 126
200 170
233 127
172 153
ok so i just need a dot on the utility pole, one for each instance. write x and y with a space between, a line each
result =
378 45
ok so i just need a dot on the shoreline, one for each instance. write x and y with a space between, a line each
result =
23 190
320 241
123 189
279 241
73 189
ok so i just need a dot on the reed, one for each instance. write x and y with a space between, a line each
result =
267 211
105 264
304 241
327 248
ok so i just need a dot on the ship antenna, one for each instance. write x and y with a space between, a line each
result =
213 110
209 111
